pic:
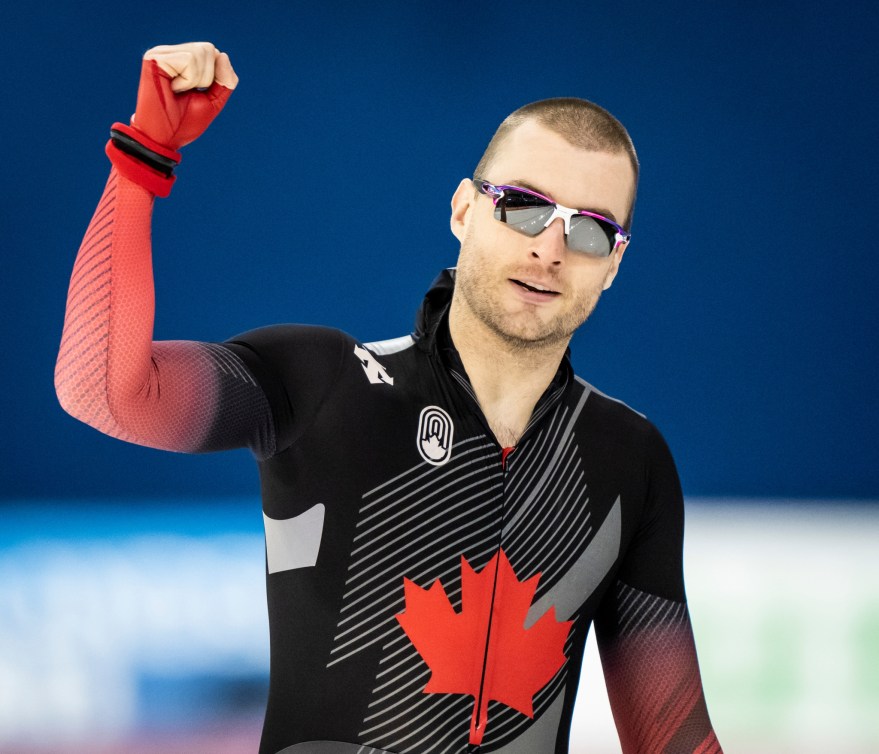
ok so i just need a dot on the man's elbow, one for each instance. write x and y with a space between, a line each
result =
75 395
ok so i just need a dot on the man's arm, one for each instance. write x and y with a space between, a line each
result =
176 395
644 634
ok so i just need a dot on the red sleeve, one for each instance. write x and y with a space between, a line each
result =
176 395
644 633
652 675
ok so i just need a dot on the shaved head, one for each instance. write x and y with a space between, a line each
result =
580 122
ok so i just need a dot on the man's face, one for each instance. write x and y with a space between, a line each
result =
499 268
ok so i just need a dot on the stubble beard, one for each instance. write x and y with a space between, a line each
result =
524 330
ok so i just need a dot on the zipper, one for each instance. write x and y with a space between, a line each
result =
477 727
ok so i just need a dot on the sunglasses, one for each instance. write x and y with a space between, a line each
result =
530 213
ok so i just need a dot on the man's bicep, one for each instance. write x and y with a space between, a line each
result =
297 367
196 398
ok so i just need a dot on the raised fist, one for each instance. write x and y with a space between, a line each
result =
182 89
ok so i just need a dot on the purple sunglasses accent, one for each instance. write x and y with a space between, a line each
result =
613 230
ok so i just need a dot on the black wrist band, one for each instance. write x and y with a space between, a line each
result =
132 147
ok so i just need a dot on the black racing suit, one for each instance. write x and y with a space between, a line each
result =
428 590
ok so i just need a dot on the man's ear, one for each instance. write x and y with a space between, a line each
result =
614 265
462 202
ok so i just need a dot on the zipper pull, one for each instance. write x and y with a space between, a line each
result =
504 453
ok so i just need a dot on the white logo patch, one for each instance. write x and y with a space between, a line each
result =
435 434
375 372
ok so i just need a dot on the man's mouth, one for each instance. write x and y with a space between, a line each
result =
535 287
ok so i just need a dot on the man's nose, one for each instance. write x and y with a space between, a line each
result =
549 245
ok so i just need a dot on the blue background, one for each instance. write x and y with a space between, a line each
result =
743 321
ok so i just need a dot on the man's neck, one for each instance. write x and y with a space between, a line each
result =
507 377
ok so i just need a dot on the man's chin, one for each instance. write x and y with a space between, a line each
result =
532 335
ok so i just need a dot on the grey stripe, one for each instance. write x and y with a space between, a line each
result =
534 454
76 280
330 747
605 395
106 228
410 715
400 566
560 525
548 404
418 468
637 612
400 690
565 435
450 716
388 549
409 536
103 210
80 312
396 682
392 345
626 598
552 479
387 625
229 362
434 491
396 558
66 344
80 281
465 383
433 710
294 542
586 574
96 323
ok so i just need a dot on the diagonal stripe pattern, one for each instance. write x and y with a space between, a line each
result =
418 525
649 647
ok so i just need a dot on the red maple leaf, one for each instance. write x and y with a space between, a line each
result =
485 650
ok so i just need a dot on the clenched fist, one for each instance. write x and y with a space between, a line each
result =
182 89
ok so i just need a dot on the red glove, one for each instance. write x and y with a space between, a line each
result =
174 120
145 152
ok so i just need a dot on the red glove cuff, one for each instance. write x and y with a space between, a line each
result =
133 160
137 171
140 137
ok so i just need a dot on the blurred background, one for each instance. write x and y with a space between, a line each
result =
743 323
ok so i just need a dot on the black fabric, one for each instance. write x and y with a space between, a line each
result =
591 480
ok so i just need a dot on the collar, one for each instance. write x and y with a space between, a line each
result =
432 336
434 310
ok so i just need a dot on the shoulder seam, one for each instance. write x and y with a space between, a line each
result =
593 389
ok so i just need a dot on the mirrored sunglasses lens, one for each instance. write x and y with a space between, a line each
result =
591 236
523 212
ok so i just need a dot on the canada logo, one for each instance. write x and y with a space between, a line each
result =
485 651
435 434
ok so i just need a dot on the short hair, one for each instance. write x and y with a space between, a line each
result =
580 122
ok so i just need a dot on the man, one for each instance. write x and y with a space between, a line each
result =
431 582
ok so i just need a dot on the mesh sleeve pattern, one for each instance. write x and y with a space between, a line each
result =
175 395
652 675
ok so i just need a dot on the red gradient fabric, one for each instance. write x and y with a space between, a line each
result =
176 395
652 676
